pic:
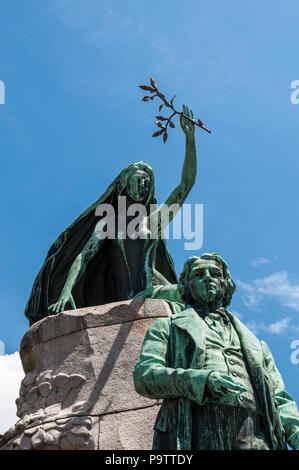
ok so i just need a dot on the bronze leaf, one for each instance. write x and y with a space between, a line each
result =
158 133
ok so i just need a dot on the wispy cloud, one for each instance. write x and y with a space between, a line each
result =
107 23
278 286
276 328
103 23
257 261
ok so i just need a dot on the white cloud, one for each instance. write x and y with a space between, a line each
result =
277 285
276 328
257 261
102 23
279 326
11 374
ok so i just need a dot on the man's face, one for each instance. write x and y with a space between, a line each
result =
206 281
139 185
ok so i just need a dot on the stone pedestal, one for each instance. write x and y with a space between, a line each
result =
78 390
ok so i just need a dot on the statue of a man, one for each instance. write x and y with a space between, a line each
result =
83 268
219 384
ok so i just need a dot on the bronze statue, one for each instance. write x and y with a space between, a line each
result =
220 387
82 269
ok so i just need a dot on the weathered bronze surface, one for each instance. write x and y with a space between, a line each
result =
219 384
82 270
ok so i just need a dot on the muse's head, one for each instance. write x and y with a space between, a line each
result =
138 185
137 181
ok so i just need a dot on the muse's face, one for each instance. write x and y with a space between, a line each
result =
206 282
138 185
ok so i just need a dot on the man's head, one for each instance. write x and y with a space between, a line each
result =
206 282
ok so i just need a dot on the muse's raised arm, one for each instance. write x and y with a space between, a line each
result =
180 193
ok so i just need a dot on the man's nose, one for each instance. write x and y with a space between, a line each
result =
207 276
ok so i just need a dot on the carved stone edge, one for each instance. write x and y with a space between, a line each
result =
32 433
71 321
62 432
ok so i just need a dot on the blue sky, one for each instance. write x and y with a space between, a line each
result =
73 118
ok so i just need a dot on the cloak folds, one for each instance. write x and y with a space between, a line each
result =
95 286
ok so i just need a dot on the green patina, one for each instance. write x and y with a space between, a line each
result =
81 269
219 384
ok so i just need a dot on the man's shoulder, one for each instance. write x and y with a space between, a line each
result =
160 323
238 322
166 322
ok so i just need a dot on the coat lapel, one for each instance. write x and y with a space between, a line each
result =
254 354
252 350
250 344
189 321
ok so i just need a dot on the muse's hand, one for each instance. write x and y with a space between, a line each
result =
65 297
187 125
220 384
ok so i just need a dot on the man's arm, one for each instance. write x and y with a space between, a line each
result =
287 407
154 378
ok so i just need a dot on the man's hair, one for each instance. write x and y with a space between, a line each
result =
185 276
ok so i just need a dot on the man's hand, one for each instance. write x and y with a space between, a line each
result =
65 297
187 125
219 385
